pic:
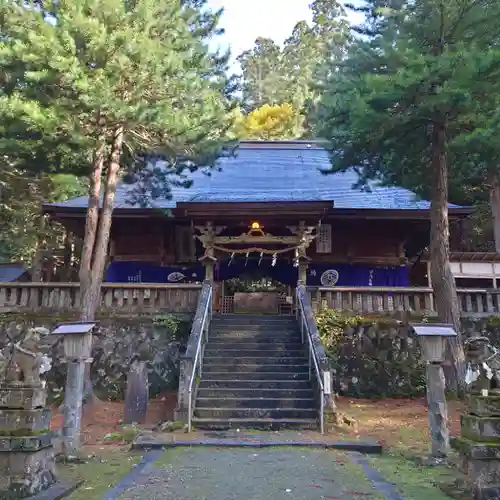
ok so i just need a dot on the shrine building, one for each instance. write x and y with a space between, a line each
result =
265 219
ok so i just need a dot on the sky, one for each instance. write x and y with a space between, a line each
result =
245 20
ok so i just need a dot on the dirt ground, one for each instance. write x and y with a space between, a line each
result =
396 423
106 417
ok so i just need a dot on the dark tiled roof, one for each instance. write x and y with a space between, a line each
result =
11 272
274 171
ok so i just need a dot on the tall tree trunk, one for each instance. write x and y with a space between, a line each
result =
37 265
96 239
494 186
91 224
443 281
104 229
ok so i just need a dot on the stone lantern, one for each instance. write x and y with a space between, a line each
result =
77 341
432 338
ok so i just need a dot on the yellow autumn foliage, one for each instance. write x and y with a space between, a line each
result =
269 122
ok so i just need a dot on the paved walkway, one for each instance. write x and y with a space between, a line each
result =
252 474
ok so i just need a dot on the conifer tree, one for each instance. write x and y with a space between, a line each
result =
115 82
394 106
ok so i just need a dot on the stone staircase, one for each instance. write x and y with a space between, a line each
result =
255 375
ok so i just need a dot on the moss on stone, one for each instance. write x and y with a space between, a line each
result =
22 433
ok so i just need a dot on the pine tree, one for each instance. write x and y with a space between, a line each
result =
395 104
117 79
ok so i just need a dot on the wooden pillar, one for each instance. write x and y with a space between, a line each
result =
303 272
209 269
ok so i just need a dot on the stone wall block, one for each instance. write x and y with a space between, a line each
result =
26 474
484 472
476 451
480 429
24 422
27 398
484 406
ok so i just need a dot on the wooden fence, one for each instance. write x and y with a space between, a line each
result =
365 300
122 298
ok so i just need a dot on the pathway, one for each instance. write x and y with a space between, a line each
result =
205 473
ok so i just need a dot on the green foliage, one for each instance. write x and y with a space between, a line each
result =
21 196
169 321
104 88
273 75
331 326
371 357
424 62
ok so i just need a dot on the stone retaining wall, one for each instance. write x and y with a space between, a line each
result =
160 341
376 357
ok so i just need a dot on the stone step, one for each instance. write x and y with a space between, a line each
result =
229 413
255 402
255 376
277 359
255 423
261 347
227 352
256 384
254 337
286 332
223 393
253 319
255 368
227 325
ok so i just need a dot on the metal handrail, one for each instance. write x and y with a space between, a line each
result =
312 356
207 313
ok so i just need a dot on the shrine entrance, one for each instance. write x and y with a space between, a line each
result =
255 290
255 271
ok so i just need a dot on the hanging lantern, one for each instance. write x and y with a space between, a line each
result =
246 260
260 259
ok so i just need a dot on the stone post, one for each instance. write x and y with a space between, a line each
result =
137 395
186 368
73 397
77 341
437 410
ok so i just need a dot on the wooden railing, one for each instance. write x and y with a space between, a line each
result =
366 300
122 298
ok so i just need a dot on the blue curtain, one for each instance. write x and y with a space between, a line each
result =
357 275
284 272
142 272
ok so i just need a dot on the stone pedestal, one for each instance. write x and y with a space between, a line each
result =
479 447
27 464
437 411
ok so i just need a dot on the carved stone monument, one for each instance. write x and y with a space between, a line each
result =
479 443
27 464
